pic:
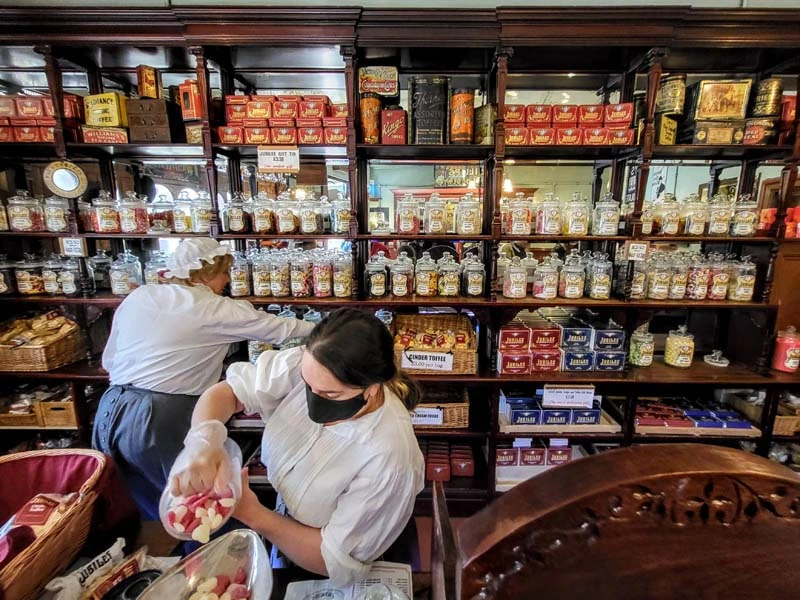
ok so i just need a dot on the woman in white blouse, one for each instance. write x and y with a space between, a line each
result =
166 347
338 445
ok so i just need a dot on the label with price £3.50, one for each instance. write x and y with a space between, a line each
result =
278 159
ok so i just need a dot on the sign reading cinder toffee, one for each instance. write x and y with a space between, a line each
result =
428 361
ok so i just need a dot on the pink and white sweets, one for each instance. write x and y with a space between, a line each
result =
223 587
199 515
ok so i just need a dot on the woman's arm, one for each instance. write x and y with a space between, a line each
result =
218 403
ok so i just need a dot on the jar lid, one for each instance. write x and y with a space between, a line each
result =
715 359
789 333
681 332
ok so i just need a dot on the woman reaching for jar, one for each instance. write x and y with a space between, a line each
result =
166 347
338 445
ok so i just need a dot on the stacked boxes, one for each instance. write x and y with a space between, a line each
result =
531 454
686 413
530 409
28 119
569 124
444 460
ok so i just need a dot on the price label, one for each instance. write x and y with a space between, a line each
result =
637 250
278 159
74 247
428 361
427 416
562 396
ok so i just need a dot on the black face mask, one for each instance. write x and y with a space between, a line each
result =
323 410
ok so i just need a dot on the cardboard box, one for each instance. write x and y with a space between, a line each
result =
590 115
523 415
338 110
506 457
545 360
559 455
542 136
513 362
565 115
539 115
23 122
278 123
556 416
462 467
29 106
25 135
310 135
514 113
255 123
47 134
514 336
597 136
609 360
618 116
257 135
257 109
230 135
578 360
335 136
106 110
6 134
394 126
191 102
316 98
264 98
586 416
148 82
535 456
437 472
286 109
8 107
569 136
516 136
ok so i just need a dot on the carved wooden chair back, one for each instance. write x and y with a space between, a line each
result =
678 521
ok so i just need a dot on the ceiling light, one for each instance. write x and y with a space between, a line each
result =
507 185
512 94
570 75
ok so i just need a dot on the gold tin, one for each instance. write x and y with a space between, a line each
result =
671 94
768 98
484 124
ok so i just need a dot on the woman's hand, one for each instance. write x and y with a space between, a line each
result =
248 508
208 469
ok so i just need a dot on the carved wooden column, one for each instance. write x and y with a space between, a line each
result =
203 84
55 86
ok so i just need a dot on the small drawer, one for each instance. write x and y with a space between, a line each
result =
59 414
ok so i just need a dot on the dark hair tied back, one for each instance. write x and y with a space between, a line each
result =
359 350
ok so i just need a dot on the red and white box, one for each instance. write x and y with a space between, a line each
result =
284 136
334 122
8 108
559 455
275 123
514 113
6 134
539 115
257 135
310 135
235 113
513 362
308 122
596 136
535 456
311 109
239 99
27 134
29 106
514 336
565 115
542 136
621 137
338 110
288 98
285 109
259 109
590 115
230 135
516 136
255 123
506 457
47 134
618 116
569 136
545 360
335 136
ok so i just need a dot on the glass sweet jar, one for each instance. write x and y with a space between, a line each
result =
106 214
515 280
548 219
56 214
605 217
25 214
161 214
201 213
745 217
679 350
133 216
426 276
469 220
402 276
407 217
182 212
576 216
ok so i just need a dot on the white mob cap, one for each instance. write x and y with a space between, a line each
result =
189 254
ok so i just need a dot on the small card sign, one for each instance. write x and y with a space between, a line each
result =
637 250
564 396
73 247
278 159
427 416
428 361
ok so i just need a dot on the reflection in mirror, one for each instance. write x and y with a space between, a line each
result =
160 178
66 180
328 179
683 178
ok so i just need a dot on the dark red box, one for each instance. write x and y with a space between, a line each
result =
559 456
539 115
394 126
533 457
8 108
308 122
27 134
236 99
506 457
288 98
565 115
335 136
230 135
597 136
284 135
620 137
312 109
286 110
516 136
462 467
618 115
513 362
281 122
514 113
545 360
6 134
334 122
47 134
339 110
590 114
235 112
310 135
542 136
255 123
569 136
438 472
257 135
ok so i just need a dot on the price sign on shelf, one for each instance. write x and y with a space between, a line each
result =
73 247
427 416
565 396
637 250
278 159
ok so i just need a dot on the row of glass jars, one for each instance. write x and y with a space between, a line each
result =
134 214
678 352
32 214
437 216
296 273
575 277
426 277
527 216
55 275
285 215
722 216
680 276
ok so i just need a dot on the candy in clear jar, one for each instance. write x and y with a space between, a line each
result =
648 218
548 219
529 263
473 279
375 278
182 212
161 214
69 277
262 284
402 276
323 276
235 218
56 214
639 280
718 278
572 280
25 213
667 216
263 214
407 216
600 278
28 275
287 220
154 269
101 266
50 272
719 215
679 350
520 216
435 215
240 276
469 220
679 280
426 276
340 222
106 215
695 215
8 283
605 217
280 276
697 280
575 220
642 346
659 276
201 213
125 274
545 281
743 281
85 216
133 214
745 217
449 279
302 276
342 276
515 280
786 356
310 218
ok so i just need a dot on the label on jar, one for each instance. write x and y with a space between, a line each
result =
684 357
609 222
308 220
202 220
474 284
745 285
55 218
520 222
182 221
647 222
50 279
407 220
601 286
659 286
127 219
342 220
68 284
573 287
579 223
449 284
695 225
120 282
552 222
239 283
744 223
263 220
280 282
468 222
24 282
547 288
108 219
299 283
20 217
151 277
719 286
261 283
436 220
516 285
377 284
670 222
235 219
3 284
677 288
718 221
400 284
341 284
423 281
286 221
792 359
322 286
637 285
641 353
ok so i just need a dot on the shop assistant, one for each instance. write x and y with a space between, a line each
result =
338 445
166 347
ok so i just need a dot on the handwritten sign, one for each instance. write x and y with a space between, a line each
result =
427 416
428 361
637 251
75 247
278 159
563 396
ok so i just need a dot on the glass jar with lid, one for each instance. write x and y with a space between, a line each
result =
451 208
529 263
286 215
515 280
520 216
719 215
473 279
182 212
743 281
505 214
3 217
25 213
575 220
545 281
56 214
679 279
745 217
154 268
407 219
85 216
261 275
436 215
106 214
667 216
638 282
572 280
125 274
548 219
310 218
375 278
659 277
718 277
642 347
469 220
50 271
402 276
235 218
28 275
600 278
133 216
449 279
694 216
648 218
263 214
161 214
341 216
697 279
201 213
342 276
502 264
280 279
323 275
324 210
100 264
302 276
8 283
240 276
70 276
426 276
605 216
679 350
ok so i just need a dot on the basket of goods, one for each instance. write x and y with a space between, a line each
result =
435 344
787 421
446 408
41 343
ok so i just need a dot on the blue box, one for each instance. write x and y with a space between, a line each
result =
578 360
612 360
585 416
576 337
707 422
524 416
734 421
699 413
609 339
516 397
561 416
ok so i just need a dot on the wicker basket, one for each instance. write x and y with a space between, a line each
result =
67 350
787 422
26 575
465 361
455 414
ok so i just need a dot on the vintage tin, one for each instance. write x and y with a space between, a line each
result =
524 416
544 335
576 337
284 135
334 122
559 456
312 109
287 98
256 109
394 126
335 136
578 360
666 130
542 136
718 100
565 115
309 135
194 134
569 136
18 122
516 136
27 134
621 137
506 457
29 106
609 338
370 112
47 134
546 360
6 134
671 94
514 113
276 123
191 102
339 110
316 98
308 122
148 82
514 337
378 80
768 98
609 360
266 98
597 136
257 122
539 115
230 135
618 116
585 416
46 122
556 416
283 109
512 362
788 111
8 108
239 99
429 115
484 124
257 135
760 132
534 456
106 110
103 135
590 114
715 133
462 116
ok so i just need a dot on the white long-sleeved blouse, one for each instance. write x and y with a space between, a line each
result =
356 480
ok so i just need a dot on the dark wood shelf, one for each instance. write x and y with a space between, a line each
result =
282 236
375 302
79 371
432 151
577 437
739 152
136 236
34 150
136 150
39 234
450 433
666 438
100 298
666 239
573 152
306 151
555 239
378 237
531 302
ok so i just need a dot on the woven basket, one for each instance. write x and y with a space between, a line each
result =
787 422
64 351
455 414
465 361
25 576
